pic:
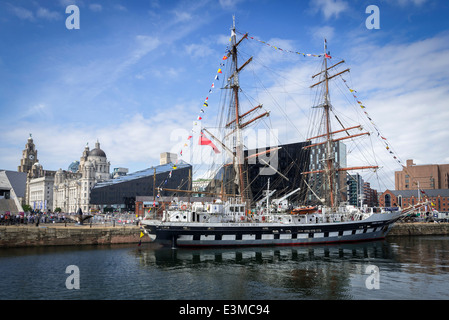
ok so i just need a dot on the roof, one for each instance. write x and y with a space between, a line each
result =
428 192
97 152
18 182
143 173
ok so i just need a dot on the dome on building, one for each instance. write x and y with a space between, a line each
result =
73 167
97 151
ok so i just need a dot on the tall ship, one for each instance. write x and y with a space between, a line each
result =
231 217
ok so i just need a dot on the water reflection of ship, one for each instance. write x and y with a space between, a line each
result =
247 255
306 271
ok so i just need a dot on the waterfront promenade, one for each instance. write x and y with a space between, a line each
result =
57 234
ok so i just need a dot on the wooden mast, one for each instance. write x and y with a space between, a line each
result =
235 87
329 154
330 168
237 121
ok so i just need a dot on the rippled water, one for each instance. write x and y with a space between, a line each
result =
405 268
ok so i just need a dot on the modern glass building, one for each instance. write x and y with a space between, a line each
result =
120 193
317 162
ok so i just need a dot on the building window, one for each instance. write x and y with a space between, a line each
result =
387 200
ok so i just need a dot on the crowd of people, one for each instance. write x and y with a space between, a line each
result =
7 219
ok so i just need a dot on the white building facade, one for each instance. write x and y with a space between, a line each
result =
71 190
41 193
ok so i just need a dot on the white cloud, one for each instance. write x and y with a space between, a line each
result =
94 76
119 7
135 142
329 8
48 14
404 67
37 112
182 16
21 13
65 3
326 32
406 3
404 87
41 13
146 44
223 39
229 4
198 50
95 7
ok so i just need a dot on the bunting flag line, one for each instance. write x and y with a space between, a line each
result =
202 112
381 136
285 50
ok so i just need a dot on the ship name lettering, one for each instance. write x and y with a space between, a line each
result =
311 230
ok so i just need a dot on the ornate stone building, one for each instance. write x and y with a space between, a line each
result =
66 189
39 182
71 190
29 156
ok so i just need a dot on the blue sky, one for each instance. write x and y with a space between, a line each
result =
136 72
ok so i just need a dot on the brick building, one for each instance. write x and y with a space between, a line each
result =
429 176
371 198
405 198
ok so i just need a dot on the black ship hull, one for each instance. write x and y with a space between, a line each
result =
266 234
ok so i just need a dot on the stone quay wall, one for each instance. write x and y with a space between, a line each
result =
27 236
419 229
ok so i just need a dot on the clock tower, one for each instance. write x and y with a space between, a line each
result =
29 156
